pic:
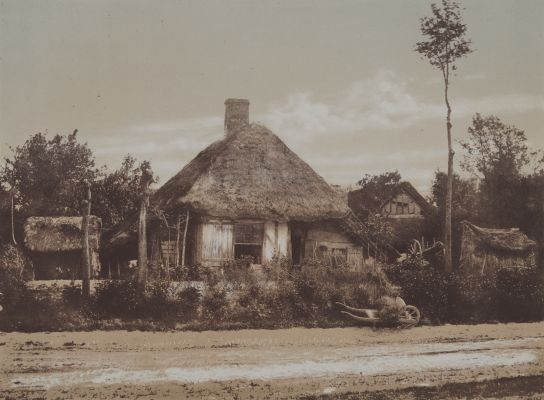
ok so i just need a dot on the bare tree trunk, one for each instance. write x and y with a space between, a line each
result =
12 195
185 238
86 271
449 189
142 236
176 254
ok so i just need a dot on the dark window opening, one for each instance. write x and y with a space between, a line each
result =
296 243
244 250
248 240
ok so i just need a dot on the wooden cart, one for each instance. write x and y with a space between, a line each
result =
409 315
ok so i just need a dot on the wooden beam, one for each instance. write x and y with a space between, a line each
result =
185 238
176 254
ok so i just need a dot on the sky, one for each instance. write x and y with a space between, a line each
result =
337 81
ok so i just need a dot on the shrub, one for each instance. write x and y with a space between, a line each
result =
250 307
158 302
194 272
238 270
520 293
189 299
119 299
29 310
72 296
215 304
422 286
13 288
472 297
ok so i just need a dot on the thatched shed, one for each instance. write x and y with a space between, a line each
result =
484 249
55 245
249 194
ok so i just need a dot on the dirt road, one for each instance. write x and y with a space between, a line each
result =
289 363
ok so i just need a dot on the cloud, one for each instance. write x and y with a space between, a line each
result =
382 102
376 124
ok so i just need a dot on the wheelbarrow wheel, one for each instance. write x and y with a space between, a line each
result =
412 314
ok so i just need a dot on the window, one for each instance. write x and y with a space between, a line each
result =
401 208
248 240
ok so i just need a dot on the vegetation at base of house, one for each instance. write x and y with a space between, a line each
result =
506 295
287 296
279 296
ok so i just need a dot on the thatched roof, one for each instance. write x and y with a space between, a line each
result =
363 201
51 234
251 173
508 240
409 189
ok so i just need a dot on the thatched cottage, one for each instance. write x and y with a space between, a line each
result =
248 194
54 245
484 250
404 208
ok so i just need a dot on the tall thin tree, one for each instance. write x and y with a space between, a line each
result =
86 264
146 179
445 43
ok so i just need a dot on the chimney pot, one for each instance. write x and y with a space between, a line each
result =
236 115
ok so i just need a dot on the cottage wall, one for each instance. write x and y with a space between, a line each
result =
327 243
402 205
276 240
216 241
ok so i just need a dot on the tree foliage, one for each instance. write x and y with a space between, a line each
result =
446 42
48 173
116 196
499 155
465 200
494 148
377 188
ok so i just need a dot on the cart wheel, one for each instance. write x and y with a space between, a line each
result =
412 314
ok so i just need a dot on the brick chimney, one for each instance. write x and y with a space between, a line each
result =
236 115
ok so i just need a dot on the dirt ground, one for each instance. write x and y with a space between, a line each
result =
463 361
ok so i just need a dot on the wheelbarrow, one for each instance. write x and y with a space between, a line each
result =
408 315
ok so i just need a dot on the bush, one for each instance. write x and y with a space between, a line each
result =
72 296
189 299
520 293
158 302
192 272
250 307
422 286
215 304
119 299
472 297
28 310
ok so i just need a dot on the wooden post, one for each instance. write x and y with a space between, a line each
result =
142 234
86 271
176 254
185 238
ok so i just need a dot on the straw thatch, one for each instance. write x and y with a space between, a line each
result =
486 249
54 234
408 188
251 173
363 201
